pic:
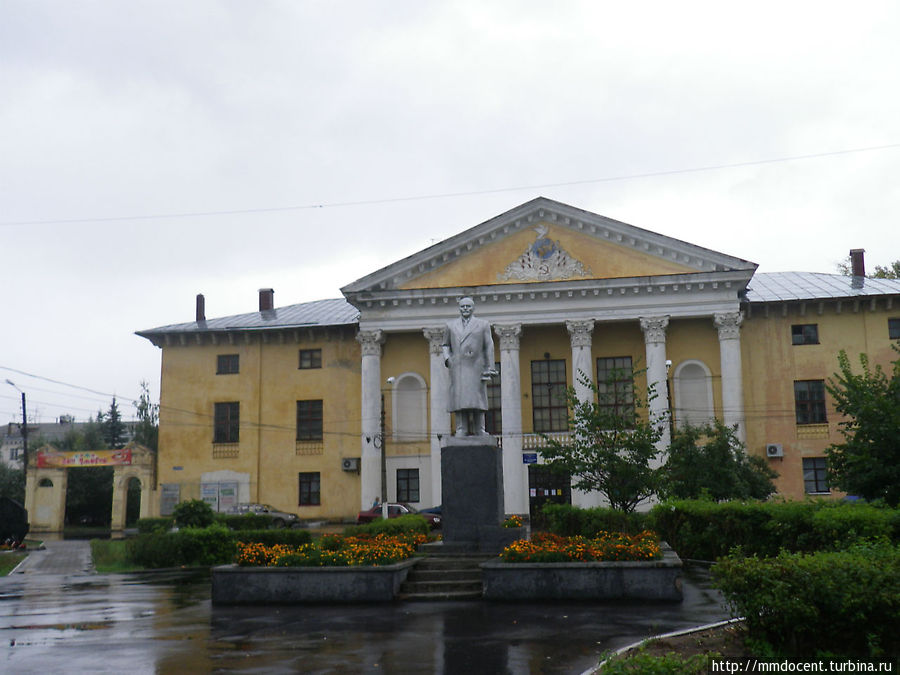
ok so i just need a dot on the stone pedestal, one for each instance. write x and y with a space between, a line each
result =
472 510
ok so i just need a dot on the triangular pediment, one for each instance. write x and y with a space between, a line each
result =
545 241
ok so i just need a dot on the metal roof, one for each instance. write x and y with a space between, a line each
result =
336 312
786 286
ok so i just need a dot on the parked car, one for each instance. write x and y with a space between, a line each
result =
279 518
395 510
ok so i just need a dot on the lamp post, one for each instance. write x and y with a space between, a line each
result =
24 429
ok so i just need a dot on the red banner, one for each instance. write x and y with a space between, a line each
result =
58 459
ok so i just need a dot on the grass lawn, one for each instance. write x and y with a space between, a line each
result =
111 555
8 561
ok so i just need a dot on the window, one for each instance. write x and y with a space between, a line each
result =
693 398
894 329
809 401
310 489
615 385
409 408
805 334
227 364
815 475
310 358
493 420
407 485
227 422
548 395
45 482
309 420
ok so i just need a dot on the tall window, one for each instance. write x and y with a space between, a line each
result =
227 422
407 485
309 420
615 385
894 329
493 420
310 489
548 395
310 358
805 334
809 401
815 475
227 364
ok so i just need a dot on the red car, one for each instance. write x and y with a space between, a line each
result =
395 510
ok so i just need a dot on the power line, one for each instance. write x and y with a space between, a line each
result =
444 195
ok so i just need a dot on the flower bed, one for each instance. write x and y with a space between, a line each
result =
610 566
332 550
606 546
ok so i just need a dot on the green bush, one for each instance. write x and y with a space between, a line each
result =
706 530
410 522
805 605
148 525
198 547
193 513
571 521
244 521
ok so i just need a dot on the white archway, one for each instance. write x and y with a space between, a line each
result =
693 394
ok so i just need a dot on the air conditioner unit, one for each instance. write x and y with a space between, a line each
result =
774 450
350 463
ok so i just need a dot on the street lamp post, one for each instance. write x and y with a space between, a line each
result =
24 429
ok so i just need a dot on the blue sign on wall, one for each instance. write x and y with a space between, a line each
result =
529 458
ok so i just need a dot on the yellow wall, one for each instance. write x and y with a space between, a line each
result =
601 259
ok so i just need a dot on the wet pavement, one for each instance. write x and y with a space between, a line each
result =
58 621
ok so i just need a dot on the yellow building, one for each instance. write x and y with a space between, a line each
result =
287 405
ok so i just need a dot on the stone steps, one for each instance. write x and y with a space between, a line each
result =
444 577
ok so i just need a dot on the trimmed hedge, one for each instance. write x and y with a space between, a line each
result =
149 525
245 521
410 523
842 603
200 547
570 521
708 530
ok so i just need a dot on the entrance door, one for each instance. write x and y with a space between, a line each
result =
546 486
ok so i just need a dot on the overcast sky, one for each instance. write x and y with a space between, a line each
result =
150 151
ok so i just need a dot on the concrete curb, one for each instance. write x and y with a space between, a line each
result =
678 633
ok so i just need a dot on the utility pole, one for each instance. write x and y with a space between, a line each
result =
24 430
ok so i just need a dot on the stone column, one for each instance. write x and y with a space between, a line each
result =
729 326
370 411
515 473
580 334
440 418
655 342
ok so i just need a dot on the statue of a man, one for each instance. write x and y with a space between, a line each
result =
469 354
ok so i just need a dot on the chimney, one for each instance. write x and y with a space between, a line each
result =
858 262
201 308
266 299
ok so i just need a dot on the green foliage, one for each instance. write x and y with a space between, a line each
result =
611 448
146 431
647 664
244 521
214 545
111 555
571 521
12 483
193 513
891 271
710 460
867 463
149 525
409 523
841 604
112 427
9 561
89 495
706 530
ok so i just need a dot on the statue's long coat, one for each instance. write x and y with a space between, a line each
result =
471 353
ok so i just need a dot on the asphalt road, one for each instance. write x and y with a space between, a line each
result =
57 616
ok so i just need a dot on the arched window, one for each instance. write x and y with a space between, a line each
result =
693 394
45 482
410 413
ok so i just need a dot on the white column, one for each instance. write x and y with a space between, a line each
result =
655 342
729 325
515 473
370 412
580 334
440 418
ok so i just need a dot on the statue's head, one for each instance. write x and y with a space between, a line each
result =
466 307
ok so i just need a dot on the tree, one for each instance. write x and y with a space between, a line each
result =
611 448
867 463
891 271
711 460
113 427
146 431
12 483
